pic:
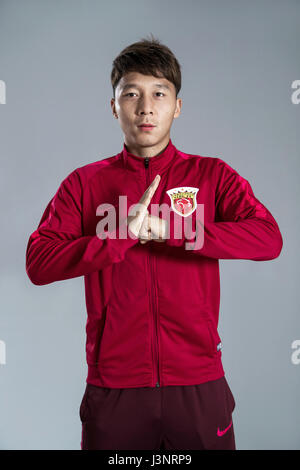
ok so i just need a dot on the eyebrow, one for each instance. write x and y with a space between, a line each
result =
134 85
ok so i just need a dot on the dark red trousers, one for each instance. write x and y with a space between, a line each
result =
185 417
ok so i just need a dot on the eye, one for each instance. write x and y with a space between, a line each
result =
132 93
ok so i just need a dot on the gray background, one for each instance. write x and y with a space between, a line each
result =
238 61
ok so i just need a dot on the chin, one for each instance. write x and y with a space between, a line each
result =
147 138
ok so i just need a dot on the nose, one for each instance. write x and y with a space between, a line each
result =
145 106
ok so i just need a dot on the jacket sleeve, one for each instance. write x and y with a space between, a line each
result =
57 250
243 227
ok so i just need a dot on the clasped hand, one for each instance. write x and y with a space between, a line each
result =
144 225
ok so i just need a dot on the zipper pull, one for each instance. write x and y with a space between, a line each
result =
146 162
157 384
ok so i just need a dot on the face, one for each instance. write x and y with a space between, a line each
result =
145 99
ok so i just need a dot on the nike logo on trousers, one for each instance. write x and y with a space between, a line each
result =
221 433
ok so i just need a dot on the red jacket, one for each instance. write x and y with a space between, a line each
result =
153 308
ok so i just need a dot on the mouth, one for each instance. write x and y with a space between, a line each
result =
146 127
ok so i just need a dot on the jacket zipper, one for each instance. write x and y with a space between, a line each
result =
152 281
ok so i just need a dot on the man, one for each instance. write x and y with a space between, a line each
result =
155 376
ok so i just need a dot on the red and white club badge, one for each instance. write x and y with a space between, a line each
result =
183 200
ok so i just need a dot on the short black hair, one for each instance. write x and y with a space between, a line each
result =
149 57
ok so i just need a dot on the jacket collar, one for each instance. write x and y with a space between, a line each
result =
157 163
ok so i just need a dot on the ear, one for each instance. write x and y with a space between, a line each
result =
178 107
113 107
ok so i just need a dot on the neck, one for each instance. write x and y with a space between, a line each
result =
148 152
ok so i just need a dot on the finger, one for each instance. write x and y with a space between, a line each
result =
145 227
145 232
148 194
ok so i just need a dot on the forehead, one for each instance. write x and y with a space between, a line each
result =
140 80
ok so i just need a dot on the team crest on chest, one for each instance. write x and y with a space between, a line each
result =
183 200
